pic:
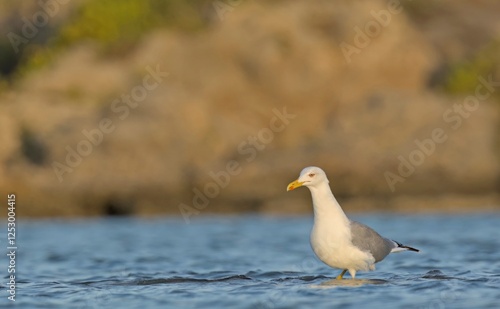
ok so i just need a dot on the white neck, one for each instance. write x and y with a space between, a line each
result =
326 207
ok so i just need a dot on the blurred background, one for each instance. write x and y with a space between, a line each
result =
144 107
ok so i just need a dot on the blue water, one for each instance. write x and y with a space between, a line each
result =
249 262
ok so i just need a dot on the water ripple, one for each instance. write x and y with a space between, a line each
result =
188 280
252 262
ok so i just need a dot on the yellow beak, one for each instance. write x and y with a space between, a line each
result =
295 184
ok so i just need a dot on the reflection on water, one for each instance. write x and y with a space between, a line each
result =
349 282
251 262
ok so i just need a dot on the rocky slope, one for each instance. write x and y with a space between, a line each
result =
221 120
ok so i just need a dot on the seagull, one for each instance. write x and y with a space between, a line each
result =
337 241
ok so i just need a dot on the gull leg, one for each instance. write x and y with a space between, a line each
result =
352 272
339 277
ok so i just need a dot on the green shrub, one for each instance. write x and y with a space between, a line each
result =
107 22
115 25
123 21
463 77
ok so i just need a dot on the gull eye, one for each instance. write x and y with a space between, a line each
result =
312 175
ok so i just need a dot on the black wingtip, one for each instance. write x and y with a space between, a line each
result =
410 248
400 245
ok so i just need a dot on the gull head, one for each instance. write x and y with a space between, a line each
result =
309 177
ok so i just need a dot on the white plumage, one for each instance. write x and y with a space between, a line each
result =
336 240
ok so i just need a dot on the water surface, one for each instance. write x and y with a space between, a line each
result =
249 262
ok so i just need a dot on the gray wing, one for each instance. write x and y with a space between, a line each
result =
370 241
